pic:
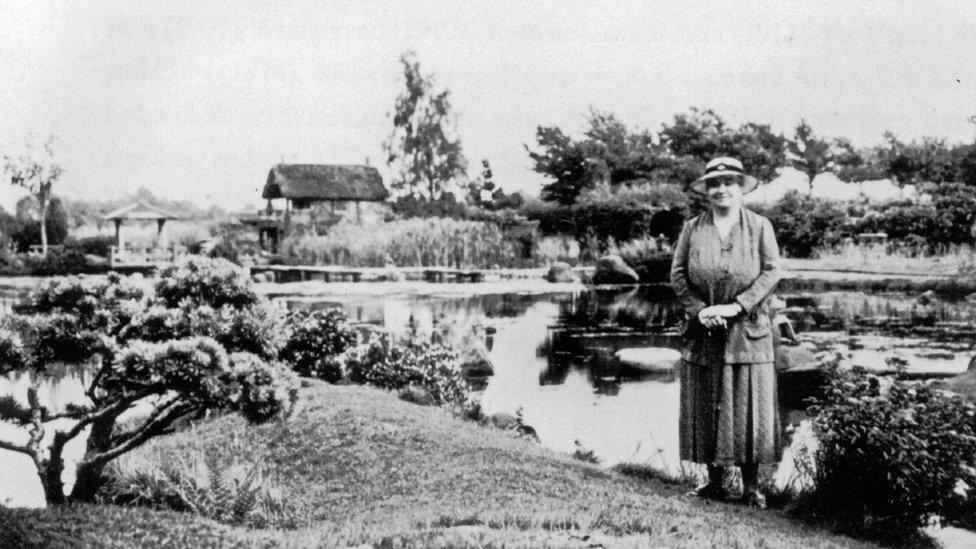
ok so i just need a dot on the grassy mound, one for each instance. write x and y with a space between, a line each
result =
355 465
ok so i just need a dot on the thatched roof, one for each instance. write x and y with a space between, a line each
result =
311 182
139 210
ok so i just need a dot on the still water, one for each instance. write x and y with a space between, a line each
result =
545 350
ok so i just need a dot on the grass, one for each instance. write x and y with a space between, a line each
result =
356 465
953 261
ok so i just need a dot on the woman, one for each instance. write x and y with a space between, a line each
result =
723 270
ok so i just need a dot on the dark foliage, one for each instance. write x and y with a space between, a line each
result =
890 460
313 341
803 224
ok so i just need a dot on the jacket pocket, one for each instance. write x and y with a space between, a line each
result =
759 328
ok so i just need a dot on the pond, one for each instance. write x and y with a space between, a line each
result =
549 355
546 351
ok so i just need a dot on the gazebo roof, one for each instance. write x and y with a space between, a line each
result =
313 182
139 211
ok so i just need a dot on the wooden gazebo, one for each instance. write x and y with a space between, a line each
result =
139 212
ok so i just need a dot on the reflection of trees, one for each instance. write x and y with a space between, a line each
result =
650 307
598 322
513 305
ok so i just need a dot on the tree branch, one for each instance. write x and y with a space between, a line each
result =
162 422
4 445
149 420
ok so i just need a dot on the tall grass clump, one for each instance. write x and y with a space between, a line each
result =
415 242
220 486
890 461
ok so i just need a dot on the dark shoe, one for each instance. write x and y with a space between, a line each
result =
710 491
754 498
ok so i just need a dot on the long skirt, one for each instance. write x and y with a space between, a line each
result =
729 414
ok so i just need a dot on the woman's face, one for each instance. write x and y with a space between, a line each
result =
724 191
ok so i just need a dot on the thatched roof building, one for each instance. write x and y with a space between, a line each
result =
306 183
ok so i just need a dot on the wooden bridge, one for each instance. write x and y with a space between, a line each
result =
331 273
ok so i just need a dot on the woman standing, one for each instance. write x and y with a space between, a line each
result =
723 270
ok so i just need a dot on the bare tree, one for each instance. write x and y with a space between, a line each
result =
36 171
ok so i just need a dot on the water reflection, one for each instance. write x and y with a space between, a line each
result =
553 358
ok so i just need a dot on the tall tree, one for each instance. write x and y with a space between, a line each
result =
608 152
36 171
927 161
423 150
813 154
700 135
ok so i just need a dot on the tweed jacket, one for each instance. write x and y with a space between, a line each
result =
707 270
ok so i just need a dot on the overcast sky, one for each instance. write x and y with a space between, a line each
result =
198 100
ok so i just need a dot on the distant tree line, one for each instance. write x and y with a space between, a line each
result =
613 153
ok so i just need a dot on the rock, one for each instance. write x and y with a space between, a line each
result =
649 359
561 272
475 363
502 420
963 384
528 431
794 357
611 269
416 395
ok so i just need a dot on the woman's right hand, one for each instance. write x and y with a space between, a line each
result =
709 318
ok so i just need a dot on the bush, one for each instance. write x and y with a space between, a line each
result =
94 245
313 341
61 261
385 362
614 213
205 281
888 462
268 390
804 224
253 330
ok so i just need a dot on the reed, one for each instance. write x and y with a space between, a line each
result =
413 242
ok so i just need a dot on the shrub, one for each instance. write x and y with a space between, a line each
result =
94 245
386 362
649 257
803 224
268 390
890 461
619 213
313 341
205 281
61 261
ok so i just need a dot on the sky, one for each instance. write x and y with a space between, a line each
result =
198 100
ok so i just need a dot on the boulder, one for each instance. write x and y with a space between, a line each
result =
963 384
795 357
649 359
416 395
502 420
561 272
475 363
611 269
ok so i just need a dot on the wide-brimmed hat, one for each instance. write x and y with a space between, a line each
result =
725 165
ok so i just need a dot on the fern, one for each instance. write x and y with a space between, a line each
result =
221 487
247 496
